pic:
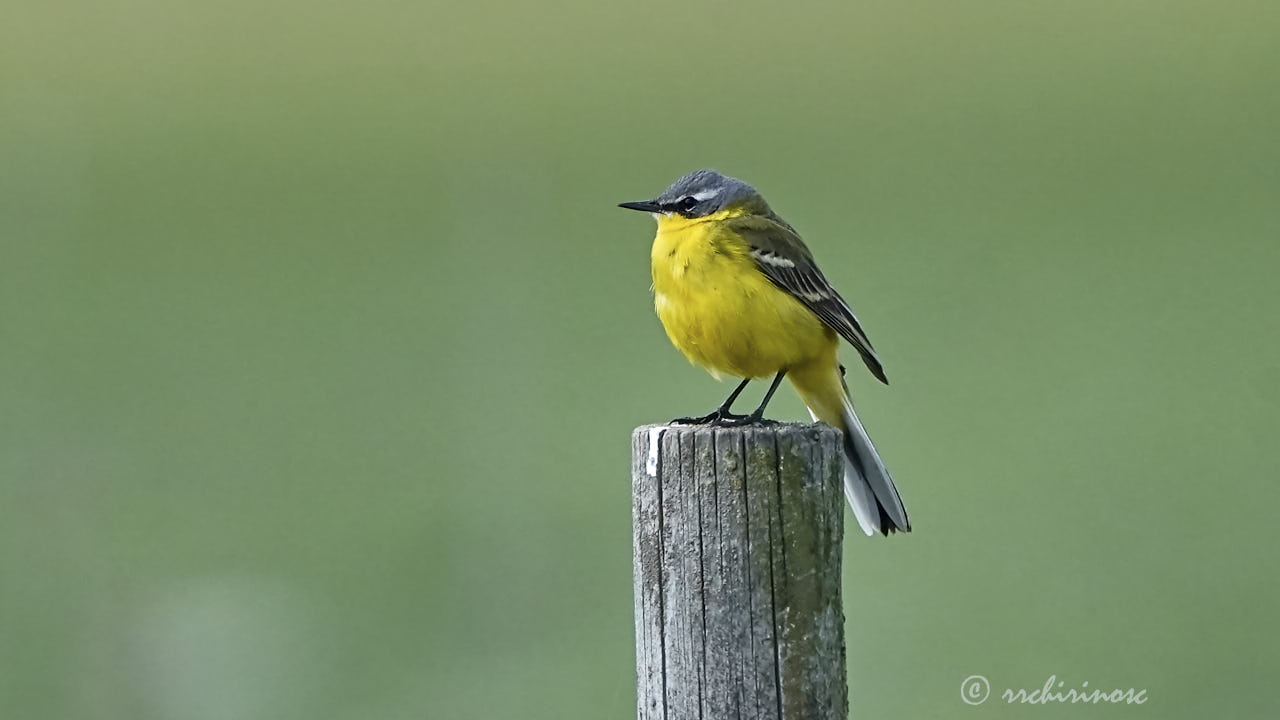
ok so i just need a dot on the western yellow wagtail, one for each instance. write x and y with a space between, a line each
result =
740 294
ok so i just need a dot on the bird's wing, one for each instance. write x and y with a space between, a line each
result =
781 255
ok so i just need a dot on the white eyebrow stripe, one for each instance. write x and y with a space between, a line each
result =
769 258
705 194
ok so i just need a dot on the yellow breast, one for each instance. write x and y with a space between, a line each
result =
720 311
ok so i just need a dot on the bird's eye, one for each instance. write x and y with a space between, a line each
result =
687 202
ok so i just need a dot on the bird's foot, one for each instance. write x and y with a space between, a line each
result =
723 418
718 418
755 418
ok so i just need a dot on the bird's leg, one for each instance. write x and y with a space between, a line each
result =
718 415
757 415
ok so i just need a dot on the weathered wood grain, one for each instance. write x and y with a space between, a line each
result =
737 537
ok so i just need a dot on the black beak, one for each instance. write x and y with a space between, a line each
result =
642 206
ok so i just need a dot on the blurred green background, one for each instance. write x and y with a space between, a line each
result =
322 340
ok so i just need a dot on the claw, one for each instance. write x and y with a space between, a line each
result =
754 418
720 417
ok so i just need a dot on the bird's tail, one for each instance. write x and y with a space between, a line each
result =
871 493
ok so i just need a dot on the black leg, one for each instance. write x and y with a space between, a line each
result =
757 415
719 414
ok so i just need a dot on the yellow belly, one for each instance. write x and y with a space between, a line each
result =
721 312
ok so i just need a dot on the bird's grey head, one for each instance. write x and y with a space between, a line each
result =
702 193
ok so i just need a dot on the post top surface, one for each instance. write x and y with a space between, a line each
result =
815 430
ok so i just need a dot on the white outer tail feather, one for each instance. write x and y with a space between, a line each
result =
857 492
860 490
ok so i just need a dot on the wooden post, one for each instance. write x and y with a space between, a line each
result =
737 573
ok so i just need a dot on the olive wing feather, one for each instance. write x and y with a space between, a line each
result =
781 256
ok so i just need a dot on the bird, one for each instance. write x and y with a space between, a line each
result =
740 294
